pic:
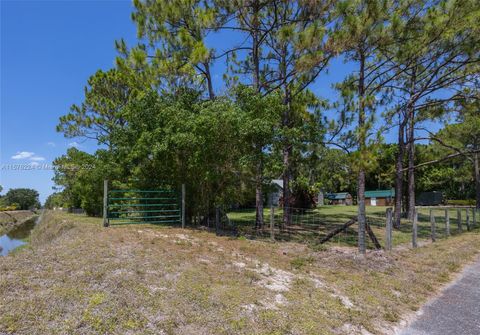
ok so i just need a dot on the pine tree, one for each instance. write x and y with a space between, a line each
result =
176 53
437 46
363 31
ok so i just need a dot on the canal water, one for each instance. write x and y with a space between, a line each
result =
17 236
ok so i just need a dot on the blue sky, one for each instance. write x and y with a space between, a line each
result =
48 51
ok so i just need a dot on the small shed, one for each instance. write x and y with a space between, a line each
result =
276 192
380 197
433 198
342 198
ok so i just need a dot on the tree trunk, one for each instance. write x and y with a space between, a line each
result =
411 145
259 195
362 218
208 77
255 47
287 151
476 164
399 175
287 145
256 86
411 164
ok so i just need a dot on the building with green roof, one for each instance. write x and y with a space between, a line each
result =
380 197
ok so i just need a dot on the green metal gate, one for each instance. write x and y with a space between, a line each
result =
143 206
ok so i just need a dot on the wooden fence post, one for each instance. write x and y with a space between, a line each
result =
388 237
459 220
183 206
447 222
433 228
474 217
414 229
467 218
272 222
106 222
217 219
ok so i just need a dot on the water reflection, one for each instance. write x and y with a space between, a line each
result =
16 237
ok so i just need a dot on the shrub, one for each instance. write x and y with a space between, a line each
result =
11 207
464 202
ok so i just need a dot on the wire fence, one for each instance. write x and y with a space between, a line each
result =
434 223
313 226
306 225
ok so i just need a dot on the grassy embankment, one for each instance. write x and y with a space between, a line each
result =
10 219
76 277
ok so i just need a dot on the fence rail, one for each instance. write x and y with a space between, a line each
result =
129 206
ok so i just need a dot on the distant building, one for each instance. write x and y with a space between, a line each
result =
342 198
379 197
434 198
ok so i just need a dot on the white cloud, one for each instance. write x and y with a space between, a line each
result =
51 144
28 155
34 164
23 155
74 145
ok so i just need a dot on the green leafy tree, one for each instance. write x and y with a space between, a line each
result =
260 123
26 198
464 137
330 171
453 177
176 139
81 175
56 199
382 174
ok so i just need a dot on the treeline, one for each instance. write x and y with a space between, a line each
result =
162 119
19 199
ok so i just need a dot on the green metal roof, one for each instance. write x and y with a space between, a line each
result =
336 196
380 194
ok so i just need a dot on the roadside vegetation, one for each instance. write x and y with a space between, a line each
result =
77 277
162 117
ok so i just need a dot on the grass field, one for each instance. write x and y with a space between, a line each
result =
76 277
310 226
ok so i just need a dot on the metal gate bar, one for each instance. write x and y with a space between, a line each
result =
142 206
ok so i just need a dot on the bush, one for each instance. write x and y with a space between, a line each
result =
12 207
464 202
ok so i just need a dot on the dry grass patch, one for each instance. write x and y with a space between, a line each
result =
77 277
